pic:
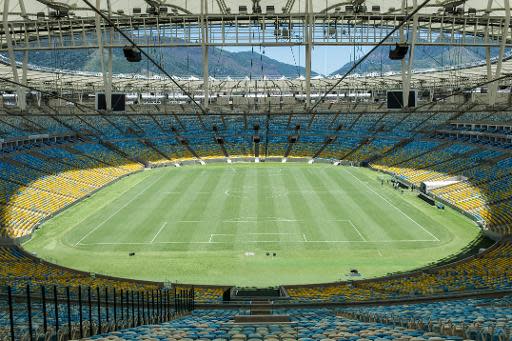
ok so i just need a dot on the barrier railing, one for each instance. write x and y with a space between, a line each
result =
67 313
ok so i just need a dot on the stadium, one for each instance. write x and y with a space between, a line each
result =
256 170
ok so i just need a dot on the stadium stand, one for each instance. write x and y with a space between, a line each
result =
413 322
142 140
473 319
38 184
20 269
39 180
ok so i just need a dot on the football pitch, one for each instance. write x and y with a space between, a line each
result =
222 224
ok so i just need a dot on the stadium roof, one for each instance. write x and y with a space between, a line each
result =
474 27
447 78
234 7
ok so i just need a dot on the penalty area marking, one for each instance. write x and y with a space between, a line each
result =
214 235
156 235
353 226
271 241
235 221
392 205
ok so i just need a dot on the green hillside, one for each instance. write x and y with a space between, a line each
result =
183 61
425 57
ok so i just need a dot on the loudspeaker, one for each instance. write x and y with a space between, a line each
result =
399 52
118 102
132 54
395 99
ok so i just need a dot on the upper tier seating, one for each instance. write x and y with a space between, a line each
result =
39 183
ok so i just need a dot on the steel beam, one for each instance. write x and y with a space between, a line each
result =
205 47
308 49
407 71
20 92
105 69
248 30
505 35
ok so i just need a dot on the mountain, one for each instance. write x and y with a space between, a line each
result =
183 61
425 57
187 61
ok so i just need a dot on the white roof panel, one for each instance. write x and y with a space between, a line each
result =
234 6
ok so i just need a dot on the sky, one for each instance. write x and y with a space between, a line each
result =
325 59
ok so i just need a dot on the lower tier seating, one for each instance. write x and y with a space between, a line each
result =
305 325
19 269
491 271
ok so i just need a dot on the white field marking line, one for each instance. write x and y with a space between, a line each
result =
273 241
353 225
213 235
263 221
357 230
156 235
255 233
240 221
117 211
199 192
371 241
284 190
390 203
380 253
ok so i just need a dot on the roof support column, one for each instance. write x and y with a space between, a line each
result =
493 93
488 48
407 75
22 9
308 35
204 43
106 70
20 92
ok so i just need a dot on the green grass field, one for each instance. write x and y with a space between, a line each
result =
214 224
